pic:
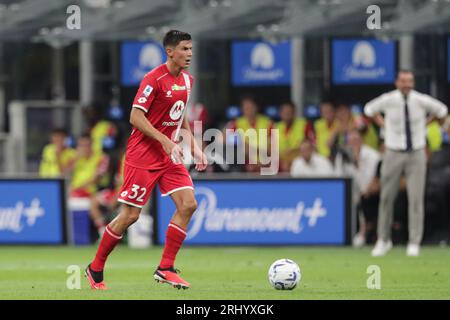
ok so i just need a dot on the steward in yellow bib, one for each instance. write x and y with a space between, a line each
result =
56 157
254 141
88 168
434 136
324 127
291 133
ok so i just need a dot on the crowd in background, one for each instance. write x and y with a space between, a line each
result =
341 142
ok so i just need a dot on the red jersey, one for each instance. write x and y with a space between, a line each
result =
163 98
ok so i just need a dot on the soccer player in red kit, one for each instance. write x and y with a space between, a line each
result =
153 156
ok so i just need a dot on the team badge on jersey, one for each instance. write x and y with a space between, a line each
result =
177 110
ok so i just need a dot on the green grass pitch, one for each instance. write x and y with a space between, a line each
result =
226 273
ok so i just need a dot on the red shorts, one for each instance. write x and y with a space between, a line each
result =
139 183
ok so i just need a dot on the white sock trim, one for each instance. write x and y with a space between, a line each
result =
113 235
178 228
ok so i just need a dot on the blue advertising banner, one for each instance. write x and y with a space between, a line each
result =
256 63
31 211
263 212
363 61
138 58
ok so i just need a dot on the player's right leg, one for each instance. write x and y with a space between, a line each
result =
111 237
133 195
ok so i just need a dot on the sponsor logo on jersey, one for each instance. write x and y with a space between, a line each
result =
142 100
177 110
148 89
178 88
170 123
169 94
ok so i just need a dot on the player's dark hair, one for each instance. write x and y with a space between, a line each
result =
174 37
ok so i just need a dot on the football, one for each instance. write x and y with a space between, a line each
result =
284 274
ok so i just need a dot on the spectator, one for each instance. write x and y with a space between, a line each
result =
88 168
252 119
56 157
438 189
292 131
434 136
324 126
101 130
310 163
363 167
345 122
104 134
368 210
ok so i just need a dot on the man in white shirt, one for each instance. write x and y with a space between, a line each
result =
405 117
362 168
310 164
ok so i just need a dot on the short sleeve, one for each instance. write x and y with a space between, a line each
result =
145 94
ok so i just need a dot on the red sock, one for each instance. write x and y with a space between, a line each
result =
107 244
174 239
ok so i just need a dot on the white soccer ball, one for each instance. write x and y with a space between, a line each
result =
284 274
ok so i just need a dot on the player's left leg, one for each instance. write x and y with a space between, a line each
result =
176 233
178 184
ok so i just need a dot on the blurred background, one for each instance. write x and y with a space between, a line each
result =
69 71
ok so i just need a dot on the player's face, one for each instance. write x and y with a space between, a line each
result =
405 82
181 54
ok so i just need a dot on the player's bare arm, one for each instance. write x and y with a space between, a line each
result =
201 161
141 123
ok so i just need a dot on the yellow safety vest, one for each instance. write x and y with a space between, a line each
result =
48 167
84 170
370 137
262 122
290 139
434 136
261 141
99 132
323 133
